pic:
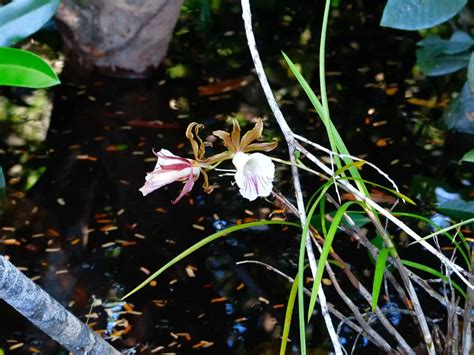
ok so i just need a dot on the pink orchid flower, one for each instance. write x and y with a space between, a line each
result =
170 168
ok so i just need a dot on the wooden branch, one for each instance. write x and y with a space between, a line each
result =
48 314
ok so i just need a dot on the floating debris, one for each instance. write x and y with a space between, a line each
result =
190 270
198 227
218 299
145 270
203 344
16 346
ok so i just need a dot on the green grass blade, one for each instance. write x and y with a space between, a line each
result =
394 192
325 252
445 233
288 316
356 164
434 272
301 258
203 242
335 140
304 84
322 213
322 60
378 276
441 231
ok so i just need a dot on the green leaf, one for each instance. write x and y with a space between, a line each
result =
434 272
25 69
19 19
444 232
325 252
469 156
458 209
336 142
457 115
288 316
470 73
378 276
201 243
441 64
301 257
459 42
417 15
360 219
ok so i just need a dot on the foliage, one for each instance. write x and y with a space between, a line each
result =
20 19
25 69
437 56
346 170
458 208
200 244
469 156
458 115
417 15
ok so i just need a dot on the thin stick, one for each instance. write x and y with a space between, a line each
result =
332 309
288 134
458 270
331 153
353 279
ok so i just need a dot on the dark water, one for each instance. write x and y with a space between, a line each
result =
85 229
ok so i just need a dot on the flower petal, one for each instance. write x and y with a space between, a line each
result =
252 135
187 187
254 176
225 136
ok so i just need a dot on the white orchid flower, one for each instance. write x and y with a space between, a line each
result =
254 175
170 168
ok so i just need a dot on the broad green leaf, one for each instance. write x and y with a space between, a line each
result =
470 73
21 18
458 115
469 156
288 316
419 14
434 272
203 242
25 69
378 276
458 209
442 64
458 43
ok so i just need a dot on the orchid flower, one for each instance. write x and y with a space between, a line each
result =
170 168
255 172
254 175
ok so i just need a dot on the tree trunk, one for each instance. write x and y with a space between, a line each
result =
119 37
47 314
